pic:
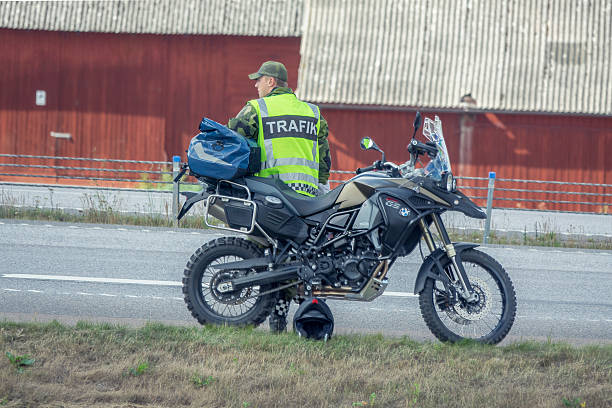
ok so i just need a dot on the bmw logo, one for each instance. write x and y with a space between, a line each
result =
404 212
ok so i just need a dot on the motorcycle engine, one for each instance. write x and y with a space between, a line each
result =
350 265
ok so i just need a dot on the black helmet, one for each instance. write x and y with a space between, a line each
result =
314 320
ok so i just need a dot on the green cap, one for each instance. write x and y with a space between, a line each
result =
272 69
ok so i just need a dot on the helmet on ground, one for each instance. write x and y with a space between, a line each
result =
314 320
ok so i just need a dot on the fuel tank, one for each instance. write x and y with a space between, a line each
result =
358 189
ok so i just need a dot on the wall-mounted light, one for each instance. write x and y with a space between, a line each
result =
41 98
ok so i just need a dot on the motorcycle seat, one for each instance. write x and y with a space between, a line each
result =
301 204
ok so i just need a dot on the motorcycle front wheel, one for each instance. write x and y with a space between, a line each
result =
486 320
201 281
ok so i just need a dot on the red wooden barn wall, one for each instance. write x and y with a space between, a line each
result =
125 96
141 97
527 147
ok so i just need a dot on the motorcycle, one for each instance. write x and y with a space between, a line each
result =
342 245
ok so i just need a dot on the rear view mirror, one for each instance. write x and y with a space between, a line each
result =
417 121
367 144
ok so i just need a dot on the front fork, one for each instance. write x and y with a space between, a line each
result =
457 271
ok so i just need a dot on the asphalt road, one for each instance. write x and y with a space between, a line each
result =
131 275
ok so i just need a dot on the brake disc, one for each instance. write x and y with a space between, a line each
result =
469 312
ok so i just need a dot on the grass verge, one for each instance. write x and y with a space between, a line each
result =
97 216
97 365
547 239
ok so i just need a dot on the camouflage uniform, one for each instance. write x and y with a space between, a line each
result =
246 123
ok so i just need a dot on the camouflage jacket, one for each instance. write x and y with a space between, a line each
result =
247 124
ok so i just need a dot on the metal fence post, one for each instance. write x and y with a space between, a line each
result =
487 229
176 167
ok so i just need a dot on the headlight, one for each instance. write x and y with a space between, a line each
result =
448 182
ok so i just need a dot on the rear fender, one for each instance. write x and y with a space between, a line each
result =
192 198
432 266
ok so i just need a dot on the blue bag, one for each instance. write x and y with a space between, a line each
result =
220 153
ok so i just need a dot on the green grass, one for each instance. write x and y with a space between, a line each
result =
98 365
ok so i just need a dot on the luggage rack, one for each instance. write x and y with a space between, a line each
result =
239 213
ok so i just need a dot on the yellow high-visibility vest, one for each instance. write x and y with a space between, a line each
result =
288 131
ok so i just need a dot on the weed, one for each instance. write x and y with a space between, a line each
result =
574 403
294 370
19 362
139 370
4 401
199 380
371 401
414 394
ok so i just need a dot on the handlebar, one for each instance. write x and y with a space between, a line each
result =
364 169
416 147
377 165
380 165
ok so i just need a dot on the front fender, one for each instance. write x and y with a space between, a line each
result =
432 267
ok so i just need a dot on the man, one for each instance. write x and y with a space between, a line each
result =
292 136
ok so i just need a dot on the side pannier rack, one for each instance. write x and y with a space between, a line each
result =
239 213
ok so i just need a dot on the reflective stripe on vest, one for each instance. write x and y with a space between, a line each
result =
288 131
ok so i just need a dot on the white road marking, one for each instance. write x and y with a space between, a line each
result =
121 229
400 294
91 279
133 281
12 290
73 227
34 291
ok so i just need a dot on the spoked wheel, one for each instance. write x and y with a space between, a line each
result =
202 285
487 319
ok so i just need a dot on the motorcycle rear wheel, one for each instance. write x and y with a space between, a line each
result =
488 320
200 282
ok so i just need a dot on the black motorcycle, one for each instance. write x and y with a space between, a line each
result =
341 245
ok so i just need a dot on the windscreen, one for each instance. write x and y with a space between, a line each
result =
432 130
